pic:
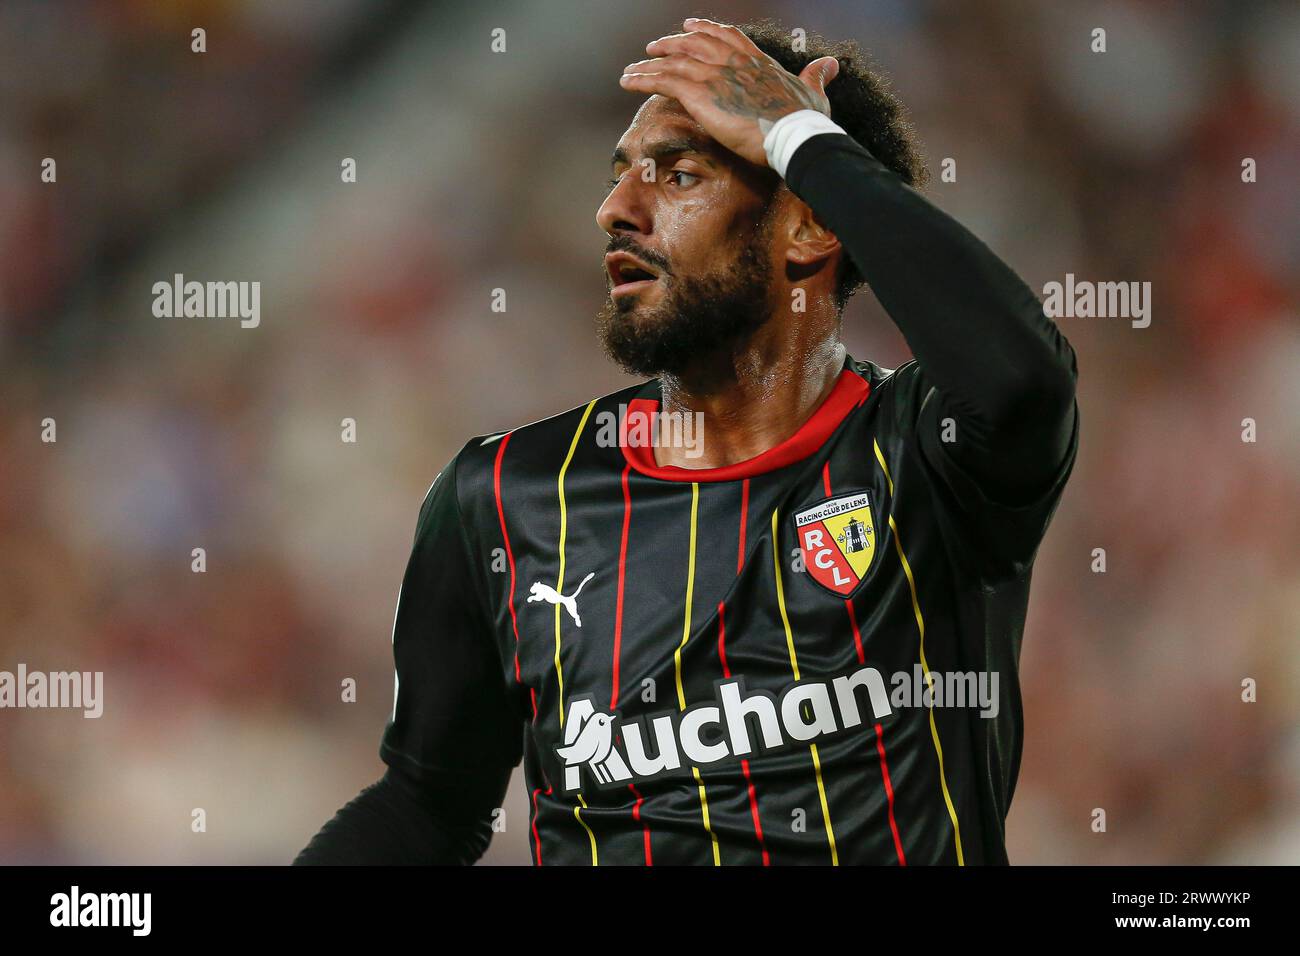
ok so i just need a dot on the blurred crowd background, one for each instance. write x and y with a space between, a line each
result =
481 170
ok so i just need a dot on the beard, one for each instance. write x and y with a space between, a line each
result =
696 317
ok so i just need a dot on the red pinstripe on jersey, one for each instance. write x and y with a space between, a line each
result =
636 815
618 641
880 733
510 558
744 763
514 620
726 671
622 578
537 840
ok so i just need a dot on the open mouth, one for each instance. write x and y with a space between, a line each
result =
628 274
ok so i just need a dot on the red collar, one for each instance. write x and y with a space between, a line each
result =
850 391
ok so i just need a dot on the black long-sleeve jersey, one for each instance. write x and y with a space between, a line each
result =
765 662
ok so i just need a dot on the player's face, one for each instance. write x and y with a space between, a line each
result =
689 262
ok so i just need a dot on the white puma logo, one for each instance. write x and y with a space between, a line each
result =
544 592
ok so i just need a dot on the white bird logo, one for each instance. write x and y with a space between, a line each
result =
589 739
593 744
544 592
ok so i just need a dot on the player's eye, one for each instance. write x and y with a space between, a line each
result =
681 172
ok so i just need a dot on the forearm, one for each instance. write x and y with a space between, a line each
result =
444 819
1002 369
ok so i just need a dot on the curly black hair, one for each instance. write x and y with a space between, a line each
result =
861 103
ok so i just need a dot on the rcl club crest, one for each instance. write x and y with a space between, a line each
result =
838 538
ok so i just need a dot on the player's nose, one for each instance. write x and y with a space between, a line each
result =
626 208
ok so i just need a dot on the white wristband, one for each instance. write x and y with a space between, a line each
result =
789 133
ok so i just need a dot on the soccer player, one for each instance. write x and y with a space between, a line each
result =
690 644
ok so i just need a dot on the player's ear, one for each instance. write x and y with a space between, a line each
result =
810 242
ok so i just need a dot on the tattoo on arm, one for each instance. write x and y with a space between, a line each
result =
763 91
